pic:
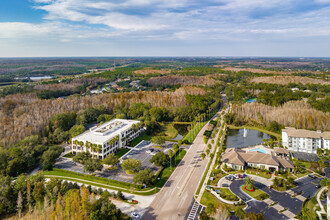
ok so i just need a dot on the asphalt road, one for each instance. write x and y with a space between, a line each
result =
254 205
175 199
305 185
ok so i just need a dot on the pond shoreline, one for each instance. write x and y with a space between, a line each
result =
278 136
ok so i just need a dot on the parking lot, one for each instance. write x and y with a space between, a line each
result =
307 186
143 152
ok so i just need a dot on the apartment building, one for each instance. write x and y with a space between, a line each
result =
107 138
300 140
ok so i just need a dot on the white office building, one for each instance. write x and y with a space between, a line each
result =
107 138
300 140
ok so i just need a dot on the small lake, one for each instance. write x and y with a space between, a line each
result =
236 139
35 78
182 130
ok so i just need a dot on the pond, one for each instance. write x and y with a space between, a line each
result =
237 138
182 130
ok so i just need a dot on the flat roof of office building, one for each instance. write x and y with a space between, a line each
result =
103 133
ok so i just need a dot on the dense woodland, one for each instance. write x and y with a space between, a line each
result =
34 198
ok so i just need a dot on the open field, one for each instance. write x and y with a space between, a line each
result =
284 80
183 80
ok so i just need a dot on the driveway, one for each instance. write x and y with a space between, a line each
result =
306 186
254 205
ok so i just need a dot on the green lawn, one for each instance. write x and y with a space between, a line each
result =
257 172
307 210
169 130
139 139
257 193
166 172
228 195
121 152
208 198
193 132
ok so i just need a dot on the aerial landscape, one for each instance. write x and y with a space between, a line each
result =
172 110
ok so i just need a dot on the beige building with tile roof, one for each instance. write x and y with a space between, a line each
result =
301 140
240 159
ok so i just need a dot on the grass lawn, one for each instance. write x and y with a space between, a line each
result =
139 139
121 152
169 130
166 172
257 193
259 173
228 195
208 198
192 135
310 205
257 129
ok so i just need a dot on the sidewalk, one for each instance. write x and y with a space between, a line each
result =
209 171
319 213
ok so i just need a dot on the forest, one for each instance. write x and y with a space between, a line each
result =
35 198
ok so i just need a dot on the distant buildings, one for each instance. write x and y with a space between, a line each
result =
107 138
257 157
300 140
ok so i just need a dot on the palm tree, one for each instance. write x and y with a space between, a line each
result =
240 213
88 145
98 149
93 147
170 153
249 182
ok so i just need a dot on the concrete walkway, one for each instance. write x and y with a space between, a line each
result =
199 196
319 213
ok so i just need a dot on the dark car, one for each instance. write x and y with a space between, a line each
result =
225 185
312 176
317 186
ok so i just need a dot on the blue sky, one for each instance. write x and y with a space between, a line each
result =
298 28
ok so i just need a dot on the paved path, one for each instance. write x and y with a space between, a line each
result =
175 199
199 196
319 213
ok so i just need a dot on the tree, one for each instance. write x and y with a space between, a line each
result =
160 159
131 165
170 154
249 182
207 151
91 165
76 130
81 157
158 140
49 157
175 148
19 204
203 155
111 160
145 176
240 213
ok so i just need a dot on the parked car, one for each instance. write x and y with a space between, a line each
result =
312 176
225 185
317 186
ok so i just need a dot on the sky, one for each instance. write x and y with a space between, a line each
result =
59 28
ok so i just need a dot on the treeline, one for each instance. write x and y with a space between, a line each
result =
25 115
26 155
298 114
34 198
